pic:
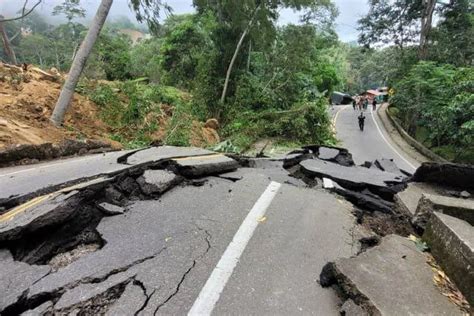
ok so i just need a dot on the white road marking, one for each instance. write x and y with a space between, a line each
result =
393 148
210 293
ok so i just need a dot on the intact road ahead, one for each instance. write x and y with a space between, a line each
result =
370 144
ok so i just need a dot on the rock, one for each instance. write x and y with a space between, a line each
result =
355 178
128 185
48 210
349 308
451 241
327 153
199 166
40 310
113 195
3 122
110 209
327 183
212 123
429 203
449 174
157 181
16 277
392 278
465 194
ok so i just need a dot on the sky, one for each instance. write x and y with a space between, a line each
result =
349 12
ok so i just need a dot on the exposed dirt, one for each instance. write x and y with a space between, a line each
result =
27 99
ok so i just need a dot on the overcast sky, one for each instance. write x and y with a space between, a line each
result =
349 12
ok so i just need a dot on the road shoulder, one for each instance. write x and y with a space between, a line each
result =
396 138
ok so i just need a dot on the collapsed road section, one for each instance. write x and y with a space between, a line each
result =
141 232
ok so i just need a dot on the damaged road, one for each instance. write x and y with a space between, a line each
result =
145 232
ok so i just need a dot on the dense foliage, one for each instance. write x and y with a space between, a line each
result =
234 62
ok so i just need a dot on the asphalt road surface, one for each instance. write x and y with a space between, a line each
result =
248 242
252 241
370 144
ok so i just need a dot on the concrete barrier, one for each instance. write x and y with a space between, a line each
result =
413 142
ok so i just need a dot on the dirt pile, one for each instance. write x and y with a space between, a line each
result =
27 98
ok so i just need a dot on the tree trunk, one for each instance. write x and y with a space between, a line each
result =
6 44
79 63
236 52
426 23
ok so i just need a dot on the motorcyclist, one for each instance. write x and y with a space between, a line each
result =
361 118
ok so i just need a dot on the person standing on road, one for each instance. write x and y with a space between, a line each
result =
366 103
354 104
361 119
374 104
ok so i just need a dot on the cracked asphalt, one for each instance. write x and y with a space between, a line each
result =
158 255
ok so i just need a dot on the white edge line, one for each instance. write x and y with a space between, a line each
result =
393 148
214 286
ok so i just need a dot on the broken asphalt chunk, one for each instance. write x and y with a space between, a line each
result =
429 203
451 241
392 278
364 200
157 181
199 166
155 154
38 213
110 209
356 177
449 174
388 165
16 278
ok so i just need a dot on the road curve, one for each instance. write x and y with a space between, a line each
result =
370 144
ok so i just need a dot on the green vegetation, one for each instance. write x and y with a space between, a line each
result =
434 82
232 61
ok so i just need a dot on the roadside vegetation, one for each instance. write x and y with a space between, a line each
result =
231 61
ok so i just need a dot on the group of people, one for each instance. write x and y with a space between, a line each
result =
362 102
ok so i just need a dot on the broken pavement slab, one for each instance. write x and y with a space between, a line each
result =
392 278
388 165
16 278
155 154
46 210
110 209
354 177
449 174
456 207
407 200
157 181
43 211
451 241
198 166
364 199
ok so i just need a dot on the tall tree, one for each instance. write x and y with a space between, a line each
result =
79 63
241 17
428 7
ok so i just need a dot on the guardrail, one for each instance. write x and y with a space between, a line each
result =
413 142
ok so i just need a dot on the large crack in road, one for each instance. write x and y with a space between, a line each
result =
143 234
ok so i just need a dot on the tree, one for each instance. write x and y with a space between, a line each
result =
71 9
79 62
453 38
6 43
428 7
242 17
390 22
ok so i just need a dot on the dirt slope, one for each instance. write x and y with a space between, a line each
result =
27 99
